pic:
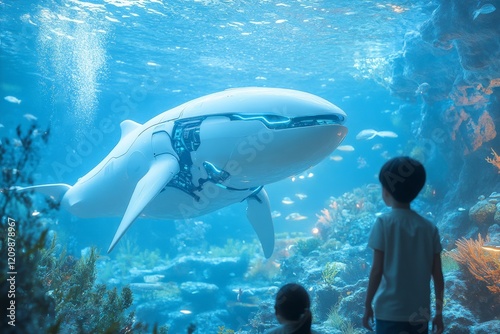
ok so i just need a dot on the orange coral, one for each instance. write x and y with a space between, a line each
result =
483 265
325 216
495 161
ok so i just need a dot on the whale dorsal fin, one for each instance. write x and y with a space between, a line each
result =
128 126
162 170
259 215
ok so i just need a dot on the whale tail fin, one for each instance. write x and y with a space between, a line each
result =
55 191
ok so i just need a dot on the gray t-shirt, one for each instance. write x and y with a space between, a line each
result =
409 243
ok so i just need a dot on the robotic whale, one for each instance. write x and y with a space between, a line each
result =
206 154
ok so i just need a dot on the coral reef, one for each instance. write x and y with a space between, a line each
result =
51 292
306 246
330 272
348 218
486 211
483 265
495 161
79 303
456 59
234 248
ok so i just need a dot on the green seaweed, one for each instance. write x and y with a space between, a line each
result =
130 255
234 248
330 272
224 330
306 246
337 321
52 292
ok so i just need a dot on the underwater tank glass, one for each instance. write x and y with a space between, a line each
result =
224 148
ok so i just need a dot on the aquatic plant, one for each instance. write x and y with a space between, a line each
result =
483 265
306 246
348 218
81 305
234 248
168 291
262 319
448 263
330 272
337 321
22 236
190 237
334 318
224 330
163 330
19 158
130 255
260 268
495 161
51 294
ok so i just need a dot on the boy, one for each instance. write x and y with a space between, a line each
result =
406 255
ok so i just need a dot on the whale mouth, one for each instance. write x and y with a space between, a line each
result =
282 122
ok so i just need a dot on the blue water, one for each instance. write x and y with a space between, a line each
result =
75 64
83 67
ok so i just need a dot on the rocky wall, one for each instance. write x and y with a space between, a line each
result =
450 69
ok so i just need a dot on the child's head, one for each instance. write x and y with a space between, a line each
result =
402 178
292 304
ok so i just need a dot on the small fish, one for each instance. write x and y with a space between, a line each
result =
368 134
485 9
491 248
295 216
238 296
310 175
362 163
346 148
387 134
301 196
12 99
422 89
30 117
186 311
376 147
461 209
336 158
275 214
287 200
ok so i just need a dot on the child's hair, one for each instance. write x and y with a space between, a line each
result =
403 178
293 303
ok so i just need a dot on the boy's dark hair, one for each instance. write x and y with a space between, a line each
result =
403 178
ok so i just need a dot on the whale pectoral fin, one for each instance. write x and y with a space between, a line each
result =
55 191
259 215
163 169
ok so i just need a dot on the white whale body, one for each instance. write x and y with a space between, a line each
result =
206 154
